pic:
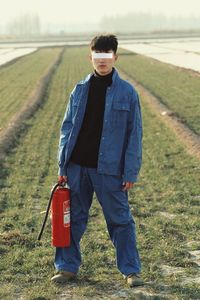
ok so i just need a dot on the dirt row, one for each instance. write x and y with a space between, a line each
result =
187 137
17 124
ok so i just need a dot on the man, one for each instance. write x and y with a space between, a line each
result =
100 151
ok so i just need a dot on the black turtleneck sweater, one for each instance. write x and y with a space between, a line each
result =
85 152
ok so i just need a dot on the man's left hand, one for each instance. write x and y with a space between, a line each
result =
127 185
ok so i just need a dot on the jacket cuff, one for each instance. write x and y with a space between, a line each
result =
62 171
130 178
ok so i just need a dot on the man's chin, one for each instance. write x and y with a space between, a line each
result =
103 71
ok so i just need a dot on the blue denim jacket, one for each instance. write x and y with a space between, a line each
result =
120 151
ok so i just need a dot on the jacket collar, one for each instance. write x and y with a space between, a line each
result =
115 78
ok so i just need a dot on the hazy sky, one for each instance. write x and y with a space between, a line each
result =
79 11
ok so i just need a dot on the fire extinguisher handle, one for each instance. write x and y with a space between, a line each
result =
66 186
47 211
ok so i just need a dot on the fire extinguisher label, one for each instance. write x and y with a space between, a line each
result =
66 214
66 220
65 206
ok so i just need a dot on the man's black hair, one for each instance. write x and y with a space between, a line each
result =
104 42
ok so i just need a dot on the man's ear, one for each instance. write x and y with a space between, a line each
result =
116 57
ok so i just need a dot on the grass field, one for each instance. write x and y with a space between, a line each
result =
179 90
165 204
19 79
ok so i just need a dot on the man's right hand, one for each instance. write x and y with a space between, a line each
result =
62 180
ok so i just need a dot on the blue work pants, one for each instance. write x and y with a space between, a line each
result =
83 183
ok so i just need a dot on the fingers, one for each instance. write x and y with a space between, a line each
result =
62 180
65 178
127 185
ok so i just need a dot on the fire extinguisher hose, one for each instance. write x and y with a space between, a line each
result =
47 211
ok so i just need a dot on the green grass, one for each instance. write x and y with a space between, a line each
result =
178 89
169 182
19 79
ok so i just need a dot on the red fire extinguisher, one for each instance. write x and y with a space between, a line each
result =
59 203
60 217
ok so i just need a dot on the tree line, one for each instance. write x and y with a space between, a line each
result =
144 22
25 25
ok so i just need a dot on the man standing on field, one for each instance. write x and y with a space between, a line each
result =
100 151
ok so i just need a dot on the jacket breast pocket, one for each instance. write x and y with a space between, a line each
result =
120 113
